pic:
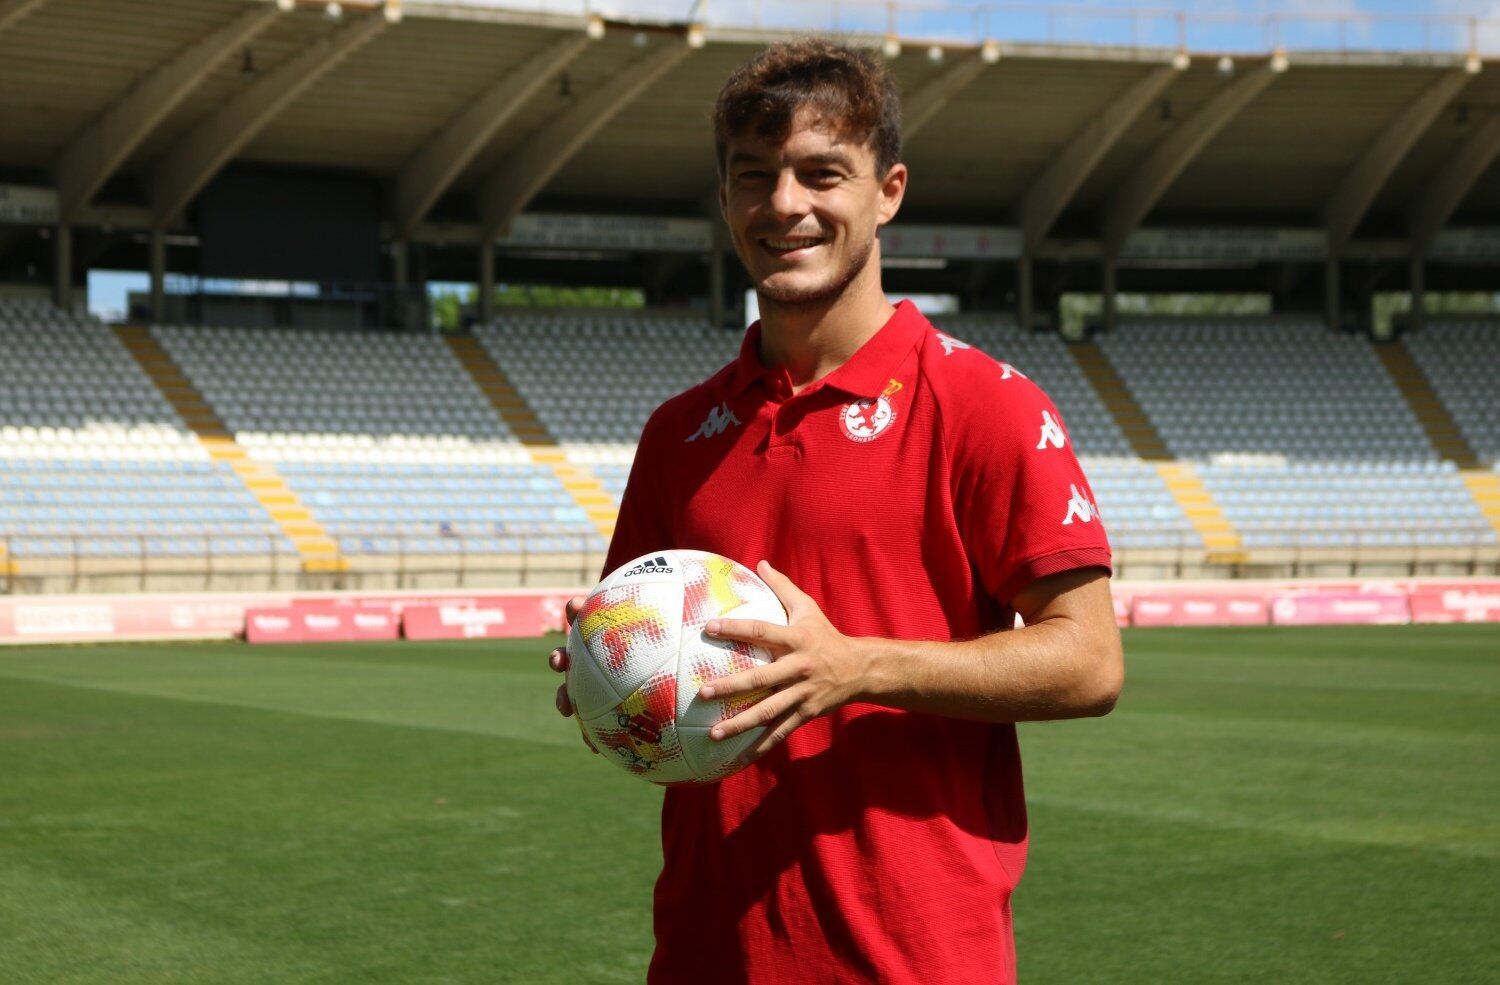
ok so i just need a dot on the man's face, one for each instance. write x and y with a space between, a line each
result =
803 214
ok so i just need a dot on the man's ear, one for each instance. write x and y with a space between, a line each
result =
892 191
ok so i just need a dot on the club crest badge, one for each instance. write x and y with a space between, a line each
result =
866 420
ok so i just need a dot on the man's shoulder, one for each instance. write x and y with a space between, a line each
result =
686 408
973 388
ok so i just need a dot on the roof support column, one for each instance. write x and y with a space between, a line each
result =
197 157
1107 291
508 191
485 309
1442 193
62 266
1333 294
158 260
1359 186
1025 311
96 151
1151 178
13 10
1418 291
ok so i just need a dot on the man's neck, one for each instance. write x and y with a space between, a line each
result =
812 340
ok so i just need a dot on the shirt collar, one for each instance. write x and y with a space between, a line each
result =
866 373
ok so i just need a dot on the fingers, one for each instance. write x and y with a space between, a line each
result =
572 608
558 659
759 715
564 706
764 634
789 594
761 678
775 734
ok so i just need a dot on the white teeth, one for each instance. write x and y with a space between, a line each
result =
791 244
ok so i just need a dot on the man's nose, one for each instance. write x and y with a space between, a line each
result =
789 197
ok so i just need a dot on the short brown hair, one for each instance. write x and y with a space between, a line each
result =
849 89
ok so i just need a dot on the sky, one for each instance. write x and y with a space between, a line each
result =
1216 25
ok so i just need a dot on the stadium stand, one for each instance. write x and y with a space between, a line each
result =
94 461
384 437
397 445
1461 358
1299 434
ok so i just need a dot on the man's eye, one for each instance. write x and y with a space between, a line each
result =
751 175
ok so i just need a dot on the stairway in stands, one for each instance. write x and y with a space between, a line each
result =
1442 430
580 483
1220 539
318 551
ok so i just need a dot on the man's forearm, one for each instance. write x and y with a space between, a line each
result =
1050 670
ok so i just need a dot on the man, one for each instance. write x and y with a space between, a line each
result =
905 495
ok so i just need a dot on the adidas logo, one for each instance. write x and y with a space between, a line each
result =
652 565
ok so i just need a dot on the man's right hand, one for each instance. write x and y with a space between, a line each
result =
558 659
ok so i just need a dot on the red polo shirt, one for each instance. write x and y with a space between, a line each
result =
911 493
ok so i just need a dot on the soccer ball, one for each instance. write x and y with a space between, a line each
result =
637 657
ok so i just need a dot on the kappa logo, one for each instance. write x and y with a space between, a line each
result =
652 565
1052 432
950 344
865 420
1007 371
719 420
1080 507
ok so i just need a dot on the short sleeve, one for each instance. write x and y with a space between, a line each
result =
1024 508
643 524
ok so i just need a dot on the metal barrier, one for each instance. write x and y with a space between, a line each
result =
34 564
68 563
1176 28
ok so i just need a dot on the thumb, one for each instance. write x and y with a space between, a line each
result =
793 599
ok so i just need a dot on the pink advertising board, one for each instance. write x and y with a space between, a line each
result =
1199 610
1332 609
493 617
1451 604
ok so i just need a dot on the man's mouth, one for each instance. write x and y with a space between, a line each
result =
791 247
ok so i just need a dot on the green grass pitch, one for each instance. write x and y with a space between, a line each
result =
1264 805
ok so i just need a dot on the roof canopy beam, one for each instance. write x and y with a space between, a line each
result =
1151 178
921 106
13 10
1359 186
1430 211
428 174
543 154
1051 192
93 155
196 158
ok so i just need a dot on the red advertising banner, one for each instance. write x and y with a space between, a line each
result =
1200 610
43 619
273 626
1456 605
321 623
374 623
1329 609
490 618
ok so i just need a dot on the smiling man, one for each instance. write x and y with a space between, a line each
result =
906 496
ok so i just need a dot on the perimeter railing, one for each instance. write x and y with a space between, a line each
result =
1187 27
33 564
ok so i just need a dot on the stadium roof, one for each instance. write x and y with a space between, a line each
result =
470 112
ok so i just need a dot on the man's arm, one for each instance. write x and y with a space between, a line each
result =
1066 662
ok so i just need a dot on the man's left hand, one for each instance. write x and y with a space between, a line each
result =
814 669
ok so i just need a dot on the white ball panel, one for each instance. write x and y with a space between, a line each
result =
590 693
713 760
703 660
631 631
